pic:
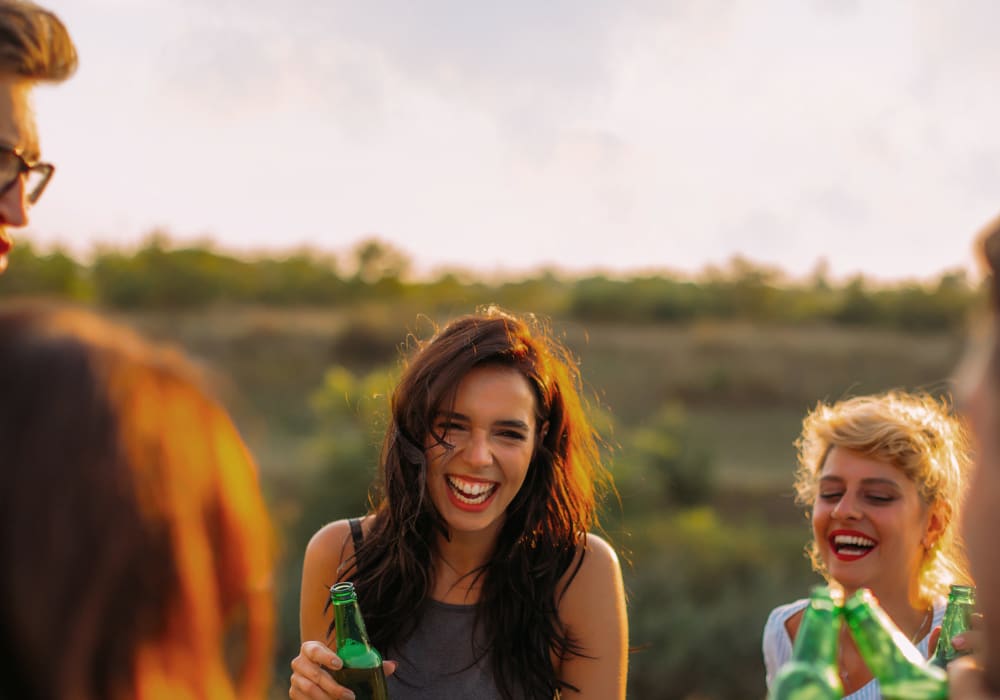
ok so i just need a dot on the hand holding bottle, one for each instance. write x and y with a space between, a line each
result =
956 624
312 681
966 681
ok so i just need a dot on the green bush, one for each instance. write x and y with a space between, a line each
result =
700 594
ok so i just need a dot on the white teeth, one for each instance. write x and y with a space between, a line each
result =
471 492
853 540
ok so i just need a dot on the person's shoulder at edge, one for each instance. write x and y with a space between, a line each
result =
786 617
779 631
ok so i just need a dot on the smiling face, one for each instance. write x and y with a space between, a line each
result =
870 524
490 427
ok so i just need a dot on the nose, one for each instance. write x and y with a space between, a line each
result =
477 450
847 508
14 205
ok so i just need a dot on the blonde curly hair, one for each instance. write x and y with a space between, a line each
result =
918 434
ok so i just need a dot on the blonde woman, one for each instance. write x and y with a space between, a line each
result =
883 478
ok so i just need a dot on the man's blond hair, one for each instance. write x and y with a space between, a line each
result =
34 43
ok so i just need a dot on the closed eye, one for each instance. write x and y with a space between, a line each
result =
512 435
829 496
880 498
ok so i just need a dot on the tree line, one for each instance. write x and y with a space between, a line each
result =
159 276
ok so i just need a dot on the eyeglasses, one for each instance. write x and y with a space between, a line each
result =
13 166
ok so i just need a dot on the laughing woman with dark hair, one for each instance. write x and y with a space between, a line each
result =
476 570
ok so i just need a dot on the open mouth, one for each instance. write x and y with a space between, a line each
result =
470 492
849 546
5 243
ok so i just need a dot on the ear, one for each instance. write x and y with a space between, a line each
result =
543 430
938 518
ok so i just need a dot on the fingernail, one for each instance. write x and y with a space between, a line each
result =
335 662
958 641
347 695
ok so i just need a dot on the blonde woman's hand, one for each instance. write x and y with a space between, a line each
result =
966 681
310 678
970 641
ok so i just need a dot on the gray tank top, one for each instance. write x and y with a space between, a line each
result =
441 660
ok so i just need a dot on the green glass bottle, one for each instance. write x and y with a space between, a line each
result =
899 667
362 670
961 601
811 673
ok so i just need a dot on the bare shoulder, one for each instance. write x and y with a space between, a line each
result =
792 624
332 546
329 547
592 583
594 566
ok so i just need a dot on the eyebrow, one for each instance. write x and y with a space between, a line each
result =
503 423
871 481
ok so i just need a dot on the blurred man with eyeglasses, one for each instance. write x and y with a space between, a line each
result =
34 47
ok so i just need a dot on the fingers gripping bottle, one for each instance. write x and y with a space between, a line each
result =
961 601
899 667
362 670
811 673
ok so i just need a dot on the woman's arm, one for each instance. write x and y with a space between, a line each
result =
325 552
593 612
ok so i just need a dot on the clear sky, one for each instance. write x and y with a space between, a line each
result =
504 136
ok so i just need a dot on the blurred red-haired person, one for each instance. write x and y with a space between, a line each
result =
135 548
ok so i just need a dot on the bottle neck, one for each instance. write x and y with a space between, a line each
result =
957 618
349 624
890 656
816 640
962 595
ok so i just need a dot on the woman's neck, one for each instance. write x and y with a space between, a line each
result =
910 615
458 567
907 609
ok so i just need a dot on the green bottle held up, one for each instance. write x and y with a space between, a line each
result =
899 667
811 673
362 670
961 601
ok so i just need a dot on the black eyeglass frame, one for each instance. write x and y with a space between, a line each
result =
44 169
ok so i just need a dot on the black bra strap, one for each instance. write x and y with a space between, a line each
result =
356 533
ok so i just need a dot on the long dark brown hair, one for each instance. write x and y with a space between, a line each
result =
133 536
545 525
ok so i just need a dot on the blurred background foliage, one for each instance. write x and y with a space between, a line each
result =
698 385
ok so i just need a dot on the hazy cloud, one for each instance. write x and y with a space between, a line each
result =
613 133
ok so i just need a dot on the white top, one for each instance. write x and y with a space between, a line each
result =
778 645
